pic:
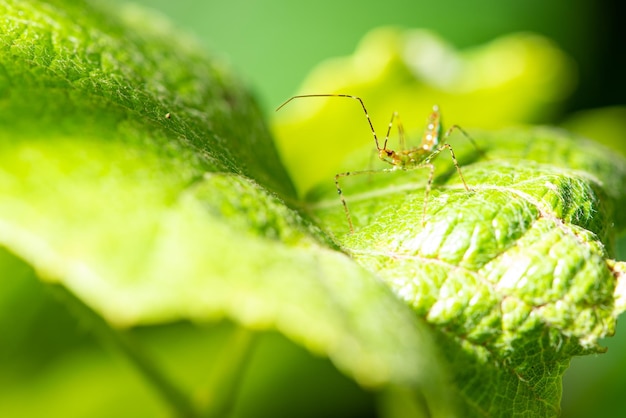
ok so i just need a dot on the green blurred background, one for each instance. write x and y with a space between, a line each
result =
274 44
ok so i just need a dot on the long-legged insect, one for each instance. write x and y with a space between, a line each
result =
404 159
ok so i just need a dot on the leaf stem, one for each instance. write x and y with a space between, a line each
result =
123 342
220 393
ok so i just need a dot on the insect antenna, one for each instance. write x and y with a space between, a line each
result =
369 121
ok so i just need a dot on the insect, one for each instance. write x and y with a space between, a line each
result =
404 159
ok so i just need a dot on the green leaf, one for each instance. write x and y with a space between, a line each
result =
139 182
137 173
515 274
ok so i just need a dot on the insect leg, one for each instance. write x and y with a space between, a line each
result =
340 192
465 134
454 160
343 199
396 117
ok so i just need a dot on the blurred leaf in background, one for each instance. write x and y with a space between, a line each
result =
275 43
520 78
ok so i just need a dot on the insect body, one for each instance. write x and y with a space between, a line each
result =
404 159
